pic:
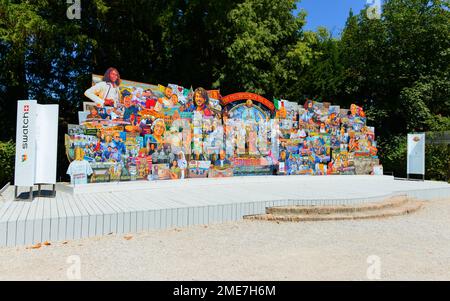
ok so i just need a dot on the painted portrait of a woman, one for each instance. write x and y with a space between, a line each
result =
158 130
106 93
201 102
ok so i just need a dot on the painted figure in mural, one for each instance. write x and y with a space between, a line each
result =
115 155
130 108
88 152
182 164
353 110
372 149
240 138
151 147
301 132
198 155
93 114
163 157
104 113
282 162
115 171
360 112
106 93
356 111
188 106
175 171
155 156
201 100
222 161
150 99
353 144
323 129
79 169
117 142
252 140
107 152
165 101
309 106
137 95
174 101
158 129
249 112
308 112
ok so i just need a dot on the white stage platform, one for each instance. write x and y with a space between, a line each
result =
99 209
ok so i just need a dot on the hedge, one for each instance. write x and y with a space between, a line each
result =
7 153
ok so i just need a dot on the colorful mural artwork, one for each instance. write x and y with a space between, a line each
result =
136 131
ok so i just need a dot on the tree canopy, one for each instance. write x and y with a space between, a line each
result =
396 67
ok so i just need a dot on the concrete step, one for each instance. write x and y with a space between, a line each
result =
406 208
392 202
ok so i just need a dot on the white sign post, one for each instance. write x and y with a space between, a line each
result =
36 145
46 145
25 164
416 155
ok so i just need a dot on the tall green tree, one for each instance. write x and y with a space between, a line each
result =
321 78
265 45
398 67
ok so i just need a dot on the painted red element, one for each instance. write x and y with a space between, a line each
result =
247 95
26 108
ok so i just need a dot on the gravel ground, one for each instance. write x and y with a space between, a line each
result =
413 247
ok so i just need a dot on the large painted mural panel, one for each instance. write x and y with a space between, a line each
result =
135 131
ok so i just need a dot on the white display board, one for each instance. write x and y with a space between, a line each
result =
25 143
47 143
416 154
378 170
36 143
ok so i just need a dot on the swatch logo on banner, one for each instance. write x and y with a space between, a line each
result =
25 122
26 143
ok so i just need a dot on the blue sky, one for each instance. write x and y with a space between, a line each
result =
329 13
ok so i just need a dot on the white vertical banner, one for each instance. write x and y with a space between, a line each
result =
46 143
416 154
25 143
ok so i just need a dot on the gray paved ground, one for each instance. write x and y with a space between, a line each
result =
414 247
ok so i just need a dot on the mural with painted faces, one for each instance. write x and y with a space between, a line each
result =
353 109
168 92
127 101
159 128
174 99
199 98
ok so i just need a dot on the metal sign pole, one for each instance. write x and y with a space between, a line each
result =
16 196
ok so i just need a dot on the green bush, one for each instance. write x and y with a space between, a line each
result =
393 156
437 162
7 154
392 153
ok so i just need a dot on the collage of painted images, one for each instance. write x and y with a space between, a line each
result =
137 131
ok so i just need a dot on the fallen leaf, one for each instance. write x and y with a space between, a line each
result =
46 243
36 246
128 237
65 242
